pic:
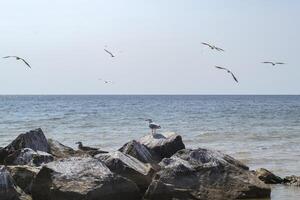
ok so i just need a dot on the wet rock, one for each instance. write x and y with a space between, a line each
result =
23 176
163 145
34 139
81 178
292 180
140 152
205 174
267 176
8 189
59 150
128 167
28 156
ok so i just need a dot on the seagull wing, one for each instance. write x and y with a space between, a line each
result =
207 44
10 57
219 49
109 53
26 62
279 63
268 62
233 76
223 68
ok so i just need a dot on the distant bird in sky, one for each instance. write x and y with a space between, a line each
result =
233 76
212 46
273 63
19 58
106 81
153 126
110 53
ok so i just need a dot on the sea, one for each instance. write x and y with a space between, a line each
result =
262 131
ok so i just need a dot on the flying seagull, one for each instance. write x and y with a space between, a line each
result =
153 126
110 53
213 47
273 63
18 58
105 81
223 68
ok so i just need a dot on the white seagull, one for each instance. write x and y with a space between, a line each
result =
233 76
212 46
273 63
153 126
19 58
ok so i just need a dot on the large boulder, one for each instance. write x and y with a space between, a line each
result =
128 167
28 156
81 178
23 176
140 152
292 180
8 188
59 150
163 145
205 174
34 139
267 176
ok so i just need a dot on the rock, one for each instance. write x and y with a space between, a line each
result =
140 152
59 150
28 156
34 139
292 180
128 167
267 176
81 178
3 154
205 174
163 145
8 189
23 176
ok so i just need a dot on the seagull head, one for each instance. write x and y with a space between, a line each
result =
149 120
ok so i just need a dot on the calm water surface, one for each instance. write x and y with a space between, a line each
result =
262 131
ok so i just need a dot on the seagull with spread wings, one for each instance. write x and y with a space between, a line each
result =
110 53
19 58
106 81
273 63
230 72
212 46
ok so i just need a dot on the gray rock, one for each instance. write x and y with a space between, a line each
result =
23 176
128 167
140 152
292 180
8 188
205 174
267 176
163 145
28 156
59 150
34 139
81 178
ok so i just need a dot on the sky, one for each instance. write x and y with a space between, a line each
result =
157 45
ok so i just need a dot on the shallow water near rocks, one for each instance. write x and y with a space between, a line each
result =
261 131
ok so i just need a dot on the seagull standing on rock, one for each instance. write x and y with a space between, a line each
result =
153 126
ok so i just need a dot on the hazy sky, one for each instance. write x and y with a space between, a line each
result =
157 45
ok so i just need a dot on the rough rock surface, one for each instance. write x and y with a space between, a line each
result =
292 180
23 176
28 156
163 145
8 189
128 167
205 174
34 139
81 178
140 152
267 176
59 150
